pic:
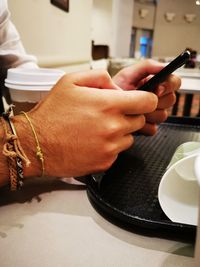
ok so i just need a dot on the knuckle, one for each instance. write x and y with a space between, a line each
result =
165 115
142 120
173 98
154 101
110 150
112 129
130 141
170 100
176 80
139 122
178 83
149 62
104 75
106 164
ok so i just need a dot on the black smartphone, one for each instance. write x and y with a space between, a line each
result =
160 77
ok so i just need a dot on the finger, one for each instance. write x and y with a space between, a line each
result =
172 84
157 116
125 142
93 78
166 101
131 102
115 147
123 125
132 123
130 78
147 67
149 129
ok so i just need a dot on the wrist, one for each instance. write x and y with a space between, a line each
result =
28 144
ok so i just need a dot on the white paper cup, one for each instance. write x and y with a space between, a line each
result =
28 86
178 191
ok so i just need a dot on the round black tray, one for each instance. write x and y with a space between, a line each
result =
127 193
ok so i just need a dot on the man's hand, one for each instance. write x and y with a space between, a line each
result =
131 78
83 126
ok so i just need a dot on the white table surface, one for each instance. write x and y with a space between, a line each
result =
190 85
53 224
190 80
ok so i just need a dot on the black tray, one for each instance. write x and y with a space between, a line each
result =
126 194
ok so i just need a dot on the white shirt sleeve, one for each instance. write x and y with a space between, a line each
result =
12 52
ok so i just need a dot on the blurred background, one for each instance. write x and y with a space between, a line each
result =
110 34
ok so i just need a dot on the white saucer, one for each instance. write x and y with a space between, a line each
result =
179 197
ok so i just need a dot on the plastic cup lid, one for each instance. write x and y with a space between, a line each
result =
37 76
36 88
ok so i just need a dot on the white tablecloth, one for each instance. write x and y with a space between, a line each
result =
52 224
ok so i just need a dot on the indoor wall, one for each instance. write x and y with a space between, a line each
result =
56 37
172 37
169 36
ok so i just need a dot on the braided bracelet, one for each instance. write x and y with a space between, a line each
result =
13 151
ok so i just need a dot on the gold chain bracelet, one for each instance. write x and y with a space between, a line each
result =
39 153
